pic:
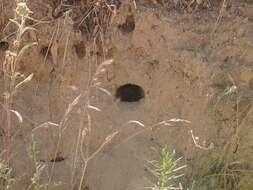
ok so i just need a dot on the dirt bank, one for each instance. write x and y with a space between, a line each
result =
189 64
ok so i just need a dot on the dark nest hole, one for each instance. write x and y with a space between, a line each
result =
62 6
57 159
29 22
128 26
80 49
130 93
4 46
95 16
251 83
2 133
46 52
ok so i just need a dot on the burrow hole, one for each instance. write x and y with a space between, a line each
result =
62 7
4 46
129 93
46 52
57 159
80 49
129 25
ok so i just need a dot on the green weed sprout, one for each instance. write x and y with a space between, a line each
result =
39 166
165 170
38 169
13 57
14 80
6 179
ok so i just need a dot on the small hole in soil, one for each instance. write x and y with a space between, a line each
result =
80 49
130 93
29 22
69 2
116 3
80 27
76 187
4 45
251 83
129 25
1 132
45 52
57 159
58 13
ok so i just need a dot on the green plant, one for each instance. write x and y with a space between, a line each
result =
166 171
6 179
195 186
14 80
223 174
13 57
39 167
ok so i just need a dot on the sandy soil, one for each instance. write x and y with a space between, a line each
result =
185 62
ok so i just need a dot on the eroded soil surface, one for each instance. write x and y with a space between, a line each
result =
192 63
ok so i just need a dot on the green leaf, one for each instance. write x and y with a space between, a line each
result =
194 186
13 64
25 47
22 83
